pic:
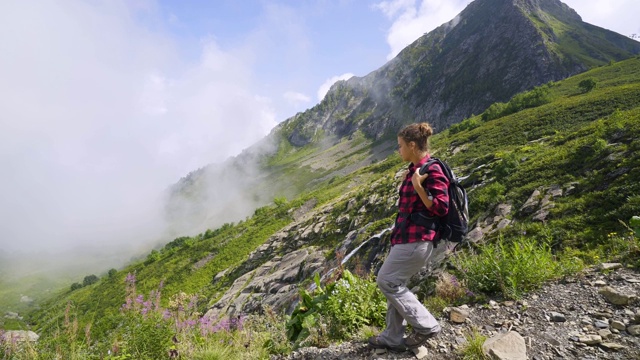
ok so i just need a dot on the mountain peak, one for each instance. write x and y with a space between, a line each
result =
491 51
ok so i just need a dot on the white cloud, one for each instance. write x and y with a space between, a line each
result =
393 7
412 20
98 116
620 16
324 88
296 98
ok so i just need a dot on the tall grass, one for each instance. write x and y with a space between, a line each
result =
511 269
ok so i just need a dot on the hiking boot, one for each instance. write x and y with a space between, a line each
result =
376 343
416 339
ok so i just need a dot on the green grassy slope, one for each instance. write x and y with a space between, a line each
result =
590 139
585 138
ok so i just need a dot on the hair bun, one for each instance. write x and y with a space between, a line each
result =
426 129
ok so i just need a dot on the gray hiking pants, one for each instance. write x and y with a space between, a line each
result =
404 261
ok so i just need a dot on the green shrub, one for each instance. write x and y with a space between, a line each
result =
75 286
153 256
466 124
510 269
587 85
89 279
508 164
354 303
112 273
538 96
342 307
494 111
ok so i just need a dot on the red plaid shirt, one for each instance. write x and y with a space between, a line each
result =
437 186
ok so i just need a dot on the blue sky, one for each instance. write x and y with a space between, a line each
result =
106 102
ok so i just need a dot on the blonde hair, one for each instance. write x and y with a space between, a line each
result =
419 133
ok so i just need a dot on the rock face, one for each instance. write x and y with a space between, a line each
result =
273 284
531 328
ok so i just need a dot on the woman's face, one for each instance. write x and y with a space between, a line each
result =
404 149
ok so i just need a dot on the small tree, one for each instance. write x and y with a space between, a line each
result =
112 273
587 85
89 279
75 286
153 256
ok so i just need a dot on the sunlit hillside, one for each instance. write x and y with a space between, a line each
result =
579 135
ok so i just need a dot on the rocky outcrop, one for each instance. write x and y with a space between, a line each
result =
541 202
274 284
538 207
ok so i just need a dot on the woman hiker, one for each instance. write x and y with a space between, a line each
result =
422 197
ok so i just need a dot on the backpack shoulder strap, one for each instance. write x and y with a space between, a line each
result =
445 169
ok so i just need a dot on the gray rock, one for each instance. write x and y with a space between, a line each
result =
590 339
615 296
557 317
458 315
612 346
634 330
600 324
503 210
605 333
11 315
618 325
610 266
540 216
19 336
475 235
506 346
555 191
531 203
503 224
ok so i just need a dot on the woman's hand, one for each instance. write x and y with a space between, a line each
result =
417 179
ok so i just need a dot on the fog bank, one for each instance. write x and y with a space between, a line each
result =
99 116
